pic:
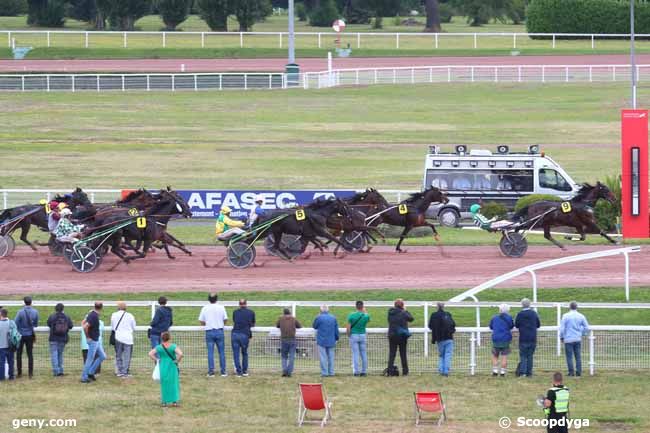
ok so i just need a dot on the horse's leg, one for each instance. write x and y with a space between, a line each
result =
175 243
592 226
277 244
398 248
327 235
547 235
436 236
169 255
24 230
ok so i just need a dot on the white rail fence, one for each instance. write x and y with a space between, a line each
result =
383 40
608 346
324 79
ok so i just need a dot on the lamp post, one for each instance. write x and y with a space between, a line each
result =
292 70
632 57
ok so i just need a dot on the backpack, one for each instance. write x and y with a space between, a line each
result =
391 371
448 323
60 328
14 336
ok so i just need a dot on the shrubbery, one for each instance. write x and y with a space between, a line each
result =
586 16
607 214
446 12
324 15
12 8
493 209
533 198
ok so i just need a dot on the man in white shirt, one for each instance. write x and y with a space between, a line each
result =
123 324
213 317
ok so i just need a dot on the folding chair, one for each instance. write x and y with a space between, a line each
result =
312 397
429 402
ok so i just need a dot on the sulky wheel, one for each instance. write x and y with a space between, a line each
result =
4 246
55 247
84 259
241 255
11 243
513 244
353 241
67 252
290 244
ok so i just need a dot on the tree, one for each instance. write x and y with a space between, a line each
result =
215 13
173 12
433 16
103 9
479 12
122 14
12 8
383 8
248 12
324 14
46 13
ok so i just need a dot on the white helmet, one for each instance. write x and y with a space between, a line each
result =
259 198
65 212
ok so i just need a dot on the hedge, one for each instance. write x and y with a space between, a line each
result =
586 16
534 198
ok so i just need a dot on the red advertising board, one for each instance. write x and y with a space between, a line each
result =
634 160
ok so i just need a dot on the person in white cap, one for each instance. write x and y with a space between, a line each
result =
257 211
66 231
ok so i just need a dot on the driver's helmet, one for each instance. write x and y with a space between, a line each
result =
225 210
475 208
259 198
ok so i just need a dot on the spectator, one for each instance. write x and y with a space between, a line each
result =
96 354
572 328
356 328
243 320
26 321
288 325
7 327
501 325
461 183
327 334
214 318
84 343
170 356
123 324
556 405
161 322
60 325
398 334
527 322
442 328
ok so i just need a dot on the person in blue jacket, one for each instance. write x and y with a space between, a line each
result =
161 322
327 334
501 326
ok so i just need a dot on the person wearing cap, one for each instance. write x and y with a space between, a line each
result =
53 217
483 222
66 231
227 227
256 212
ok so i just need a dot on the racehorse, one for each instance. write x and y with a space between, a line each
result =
410 213
577 213
362 205
36 215
309 222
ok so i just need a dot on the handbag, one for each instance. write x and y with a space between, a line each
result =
173 358
111 340
156 372
403 332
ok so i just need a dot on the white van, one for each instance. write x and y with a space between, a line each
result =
478 175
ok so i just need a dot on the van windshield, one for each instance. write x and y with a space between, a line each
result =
549 178
481 180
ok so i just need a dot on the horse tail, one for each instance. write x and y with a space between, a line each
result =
521 215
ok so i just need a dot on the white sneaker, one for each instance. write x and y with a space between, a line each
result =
224 375
210 375
245 374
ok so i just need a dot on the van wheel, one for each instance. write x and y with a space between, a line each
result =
449 217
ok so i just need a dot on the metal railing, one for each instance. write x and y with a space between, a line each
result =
474 74
142 82
377 40
605 348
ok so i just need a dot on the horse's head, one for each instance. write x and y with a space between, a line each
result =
602 191
374 198
79 198
172 196
435 195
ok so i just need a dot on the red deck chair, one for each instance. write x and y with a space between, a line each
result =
312 397
429 402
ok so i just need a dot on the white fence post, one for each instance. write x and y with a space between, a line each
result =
475 41
449 74
164 39
48 39
592 42
472 354
590 73
73 83
472 74
543 74
125 42
627 277
553 40
220 81
196 83
436 37
98 83
48 82
567 74
280 39
9 39
173 83
245 81
592 354
514 40
22 84
123 86
148 83
358 40
519 74
397 40
426 330
558 320
4 200
614 73
86 41
496 74
202 39
319 40
430 75
241 39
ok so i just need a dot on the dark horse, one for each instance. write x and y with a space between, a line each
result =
577 212
36 214
310 222
362 205
410 213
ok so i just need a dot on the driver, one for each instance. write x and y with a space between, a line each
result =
66 231
227 227
484 223
256 212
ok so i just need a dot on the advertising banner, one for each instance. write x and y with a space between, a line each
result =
634 179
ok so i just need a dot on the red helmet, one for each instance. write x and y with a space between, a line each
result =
54 204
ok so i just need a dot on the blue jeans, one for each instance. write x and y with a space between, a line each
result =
526 352
94 359
445 351
326 355
359 353
239 343
56 356
7 356
212 337
155 340
288 353
571 350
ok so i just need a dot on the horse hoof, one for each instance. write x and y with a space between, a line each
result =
402 251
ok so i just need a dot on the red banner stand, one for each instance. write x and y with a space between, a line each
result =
634 179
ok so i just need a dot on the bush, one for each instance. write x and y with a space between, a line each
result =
356 12
516 11
607 214
46 13
173 12
493 209
585 16
534 198
215 13
446 12
324 15
12 8
300 11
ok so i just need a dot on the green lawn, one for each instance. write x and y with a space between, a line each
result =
335 138
449 43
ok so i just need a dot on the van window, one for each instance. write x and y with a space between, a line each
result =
481 180
549 178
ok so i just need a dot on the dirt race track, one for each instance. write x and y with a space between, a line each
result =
420 268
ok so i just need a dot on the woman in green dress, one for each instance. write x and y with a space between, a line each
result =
169 356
